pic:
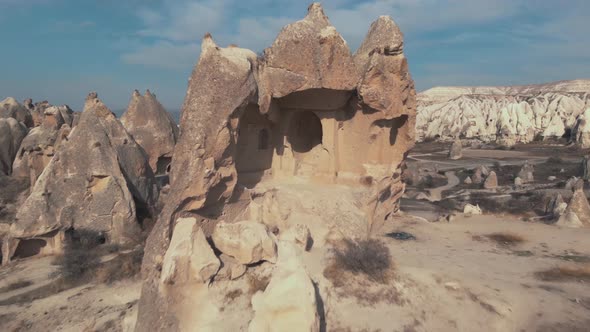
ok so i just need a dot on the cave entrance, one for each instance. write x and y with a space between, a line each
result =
29 248
255 146
305 132
163 165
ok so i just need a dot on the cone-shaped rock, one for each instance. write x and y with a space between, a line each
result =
579 204
307 54
95 181
152 127
456 150
491 181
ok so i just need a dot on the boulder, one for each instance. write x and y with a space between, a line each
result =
491 181
472 210
189 257
247 241
456 151
289 301
153 129
98 180
10 108
518 181
526 173
12 134
571 183
468 180
231 269
479 174
570 219
579 204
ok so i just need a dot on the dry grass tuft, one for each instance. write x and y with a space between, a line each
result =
257 283
565 273
506 239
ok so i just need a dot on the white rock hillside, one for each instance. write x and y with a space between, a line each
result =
507 114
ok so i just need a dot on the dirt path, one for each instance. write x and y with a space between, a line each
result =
435 194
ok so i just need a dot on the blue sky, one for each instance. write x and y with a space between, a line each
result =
60 50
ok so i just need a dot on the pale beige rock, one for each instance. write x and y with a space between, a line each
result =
247 241
579 204
472 210
518 181
10 108
570 219
189 257
12 134
468 180
95 181
456 153
491 181
153 129
526 173
581 131
289 301
231 269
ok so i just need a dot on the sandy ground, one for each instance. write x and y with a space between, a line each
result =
90 307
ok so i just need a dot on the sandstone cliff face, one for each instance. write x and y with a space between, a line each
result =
515 114
96 180
152 128
307 110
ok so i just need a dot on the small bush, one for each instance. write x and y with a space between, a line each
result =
565 273
506 239
369 257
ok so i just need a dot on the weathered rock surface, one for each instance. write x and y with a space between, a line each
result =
97 180
491 181
581 130
153 129
289 301
247 241
586 168
12 134
511 114
526 173
579 204
189 257
456 151
10 108
472 210
40 145
306 109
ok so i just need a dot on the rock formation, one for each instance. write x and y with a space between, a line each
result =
152 128
581 130
456 150
526 173
98 180
305 109
586 168
10 108
507 114
491 181
40 145
579 207
12 134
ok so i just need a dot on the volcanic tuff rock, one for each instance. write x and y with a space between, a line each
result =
96 181
10 108
456 150
152 128
40 145
515 114
12 134
306 109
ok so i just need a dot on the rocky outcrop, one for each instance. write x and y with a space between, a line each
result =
579 206
289 301
581 131
152 128
456 150
40 145
189 257
246 241
306 109
526 173
12 134
510 114
491 181
10 108
98 180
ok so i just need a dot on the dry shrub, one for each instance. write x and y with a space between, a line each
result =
257 283
362 269
565 273
232 295
369 257
506 239
82 262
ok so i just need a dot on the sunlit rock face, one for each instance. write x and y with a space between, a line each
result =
306 111
517 114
